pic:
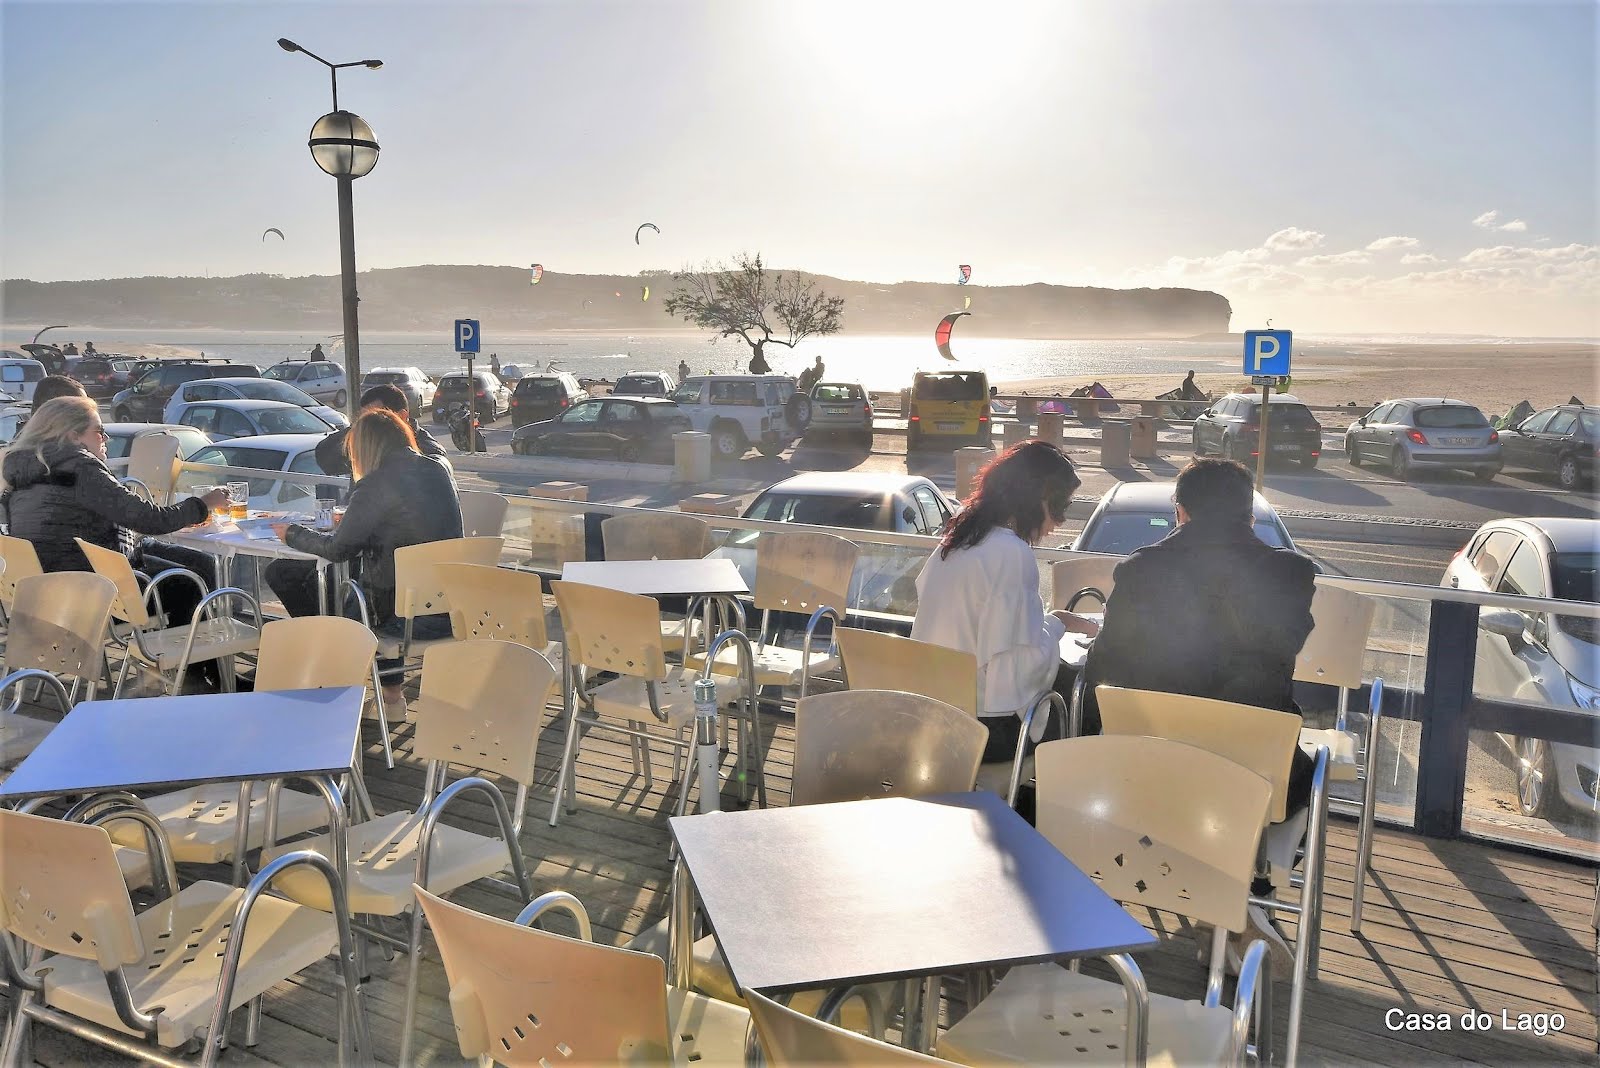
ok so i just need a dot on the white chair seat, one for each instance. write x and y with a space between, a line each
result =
625 697
135 865
775 665
672 632
705 1030
383 864
185 938
1344 749
1044 1014
200 820
213 639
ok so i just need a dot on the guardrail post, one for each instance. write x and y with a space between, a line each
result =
1447 693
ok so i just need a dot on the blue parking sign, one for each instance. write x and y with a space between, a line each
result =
467 337
1266 352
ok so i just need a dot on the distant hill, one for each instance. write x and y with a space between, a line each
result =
422 298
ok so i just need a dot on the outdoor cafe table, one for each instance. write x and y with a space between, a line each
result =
227 540
152 744
828 896
659 578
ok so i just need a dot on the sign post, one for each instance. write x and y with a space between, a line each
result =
1266 360
468 343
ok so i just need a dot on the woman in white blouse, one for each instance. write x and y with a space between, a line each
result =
979 591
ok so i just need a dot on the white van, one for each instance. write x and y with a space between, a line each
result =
18 378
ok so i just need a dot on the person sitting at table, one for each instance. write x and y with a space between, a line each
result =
61 489
979 591
399 498
331 455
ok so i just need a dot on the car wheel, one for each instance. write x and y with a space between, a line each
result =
122 415
1351 454
519 447
1308 460
628 452
1198 447
1567 472
339 398
769 449
1536 780
728 442
1230 449
438 416
865 438
913 440
1400 464
1486 474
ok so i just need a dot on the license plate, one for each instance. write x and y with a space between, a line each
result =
948 426
1457 441
1286 448
836 411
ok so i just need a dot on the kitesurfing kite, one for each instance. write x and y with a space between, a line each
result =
968 304
273 230
641 230
645 294
941 333
586 303
966 274
538 273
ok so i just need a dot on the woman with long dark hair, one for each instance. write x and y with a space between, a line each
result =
979 591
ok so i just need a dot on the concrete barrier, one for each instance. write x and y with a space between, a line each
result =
1051 427
691 453
1142 438
711 504
969 461
1114 441
1013 433
560 491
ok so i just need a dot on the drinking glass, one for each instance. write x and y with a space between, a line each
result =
238 500
325 507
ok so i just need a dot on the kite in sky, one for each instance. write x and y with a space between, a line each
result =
273 230
966 274
645 293
538 273
968 304
641 230
941 333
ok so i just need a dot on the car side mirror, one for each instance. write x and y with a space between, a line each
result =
1362 421
1505 622
909 516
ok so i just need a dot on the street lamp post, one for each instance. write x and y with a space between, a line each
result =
343 145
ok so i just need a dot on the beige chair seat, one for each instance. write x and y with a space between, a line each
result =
1344 748
200 820
705 1030
383 864
213 640
135 865
1044 1014
775 665
672 632
625 698
184 940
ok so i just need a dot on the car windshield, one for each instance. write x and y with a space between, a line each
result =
268 389
539 387
689 391
1291 415
828 510
385 378
453 384
1573 575
637 384
951 386
1451 417
283 372
289 421
1122 532
837 393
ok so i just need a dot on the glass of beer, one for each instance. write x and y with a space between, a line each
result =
221 510
238 500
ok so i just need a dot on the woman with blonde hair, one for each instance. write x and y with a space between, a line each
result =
61 489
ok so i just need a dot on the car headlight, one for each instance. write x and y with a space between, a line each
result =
1585 696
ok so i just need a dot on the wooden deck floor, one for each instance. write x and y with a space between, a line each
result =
1450 926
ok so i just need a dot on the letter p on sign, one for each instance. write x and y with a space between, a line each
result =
1266 352
467 339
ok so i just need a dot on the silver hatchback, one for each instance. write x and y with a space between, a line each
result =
1416 432
841 408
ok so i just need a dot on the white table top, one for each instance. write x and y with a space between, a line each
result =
658 578
169 741
1075 646
888 888
228 539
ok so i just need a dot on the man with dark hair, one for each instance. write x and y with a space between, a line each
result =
52 386
330 451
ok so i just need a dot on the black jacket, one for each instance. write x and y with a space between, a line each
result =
1209 611
73 494
333 461
408 500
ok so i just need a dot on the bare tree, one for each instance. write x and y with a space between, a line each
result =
742 300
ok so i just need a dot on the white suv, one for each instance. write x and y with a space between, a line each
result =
739 411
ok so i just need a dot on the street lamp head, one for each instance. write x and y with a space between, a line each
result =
288 45
372 64
343 145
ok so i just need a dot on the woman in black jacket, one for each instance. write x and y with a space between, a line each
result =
61 489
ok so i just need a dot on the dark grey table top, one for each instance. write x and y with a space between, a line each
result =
822 895
169 741
658 578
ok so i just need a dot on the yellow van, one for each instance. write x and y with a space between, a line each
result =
948 404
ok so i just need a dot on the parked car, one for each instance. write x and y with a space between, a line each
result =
268 453
12 418
493 399
1542 658
611 428
743 410
885 580
1134 514
322 379
265 389
18 377
645 384
949 405
1231 427
102 377
540 397
1560 441
1419 432
120 438
416 385
841 408
50 357
146 400
248 418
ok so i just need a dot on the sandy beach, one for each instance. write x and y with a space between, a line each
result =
1493 377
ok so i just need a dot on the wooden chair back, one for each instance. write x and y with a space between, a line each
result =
791 1039
313 652
481 706
483 514
22 561
1157 823
495 602
1082 571
153 459
611 631
857 744
417 589
1341 623
656 536
58 624
802 571
128 606
878 661
61 889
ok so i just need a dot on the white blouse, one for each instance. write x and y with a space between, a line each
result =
985 600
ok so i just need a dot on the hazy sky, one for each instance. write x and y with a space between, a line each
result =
1335 165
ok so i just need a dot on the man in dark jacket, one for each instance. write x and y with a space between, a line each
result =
330 450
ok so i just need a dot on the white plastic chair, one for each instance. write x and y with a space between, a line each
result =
483 514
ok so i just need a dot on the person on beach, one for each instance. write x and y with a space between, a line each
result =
1190 391
683 370
88 349
317 355
494 363
979 591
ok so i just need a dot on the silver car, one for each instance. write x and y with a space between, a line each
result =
841 408
322 379
1417 432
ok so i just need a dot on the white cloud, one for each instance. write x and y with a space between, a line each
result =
1336 259
1515 254
1490 220
1420 258
1384 244
1293 239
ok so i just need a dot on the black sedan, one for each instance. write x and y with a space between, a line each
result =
1560 441
627 429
